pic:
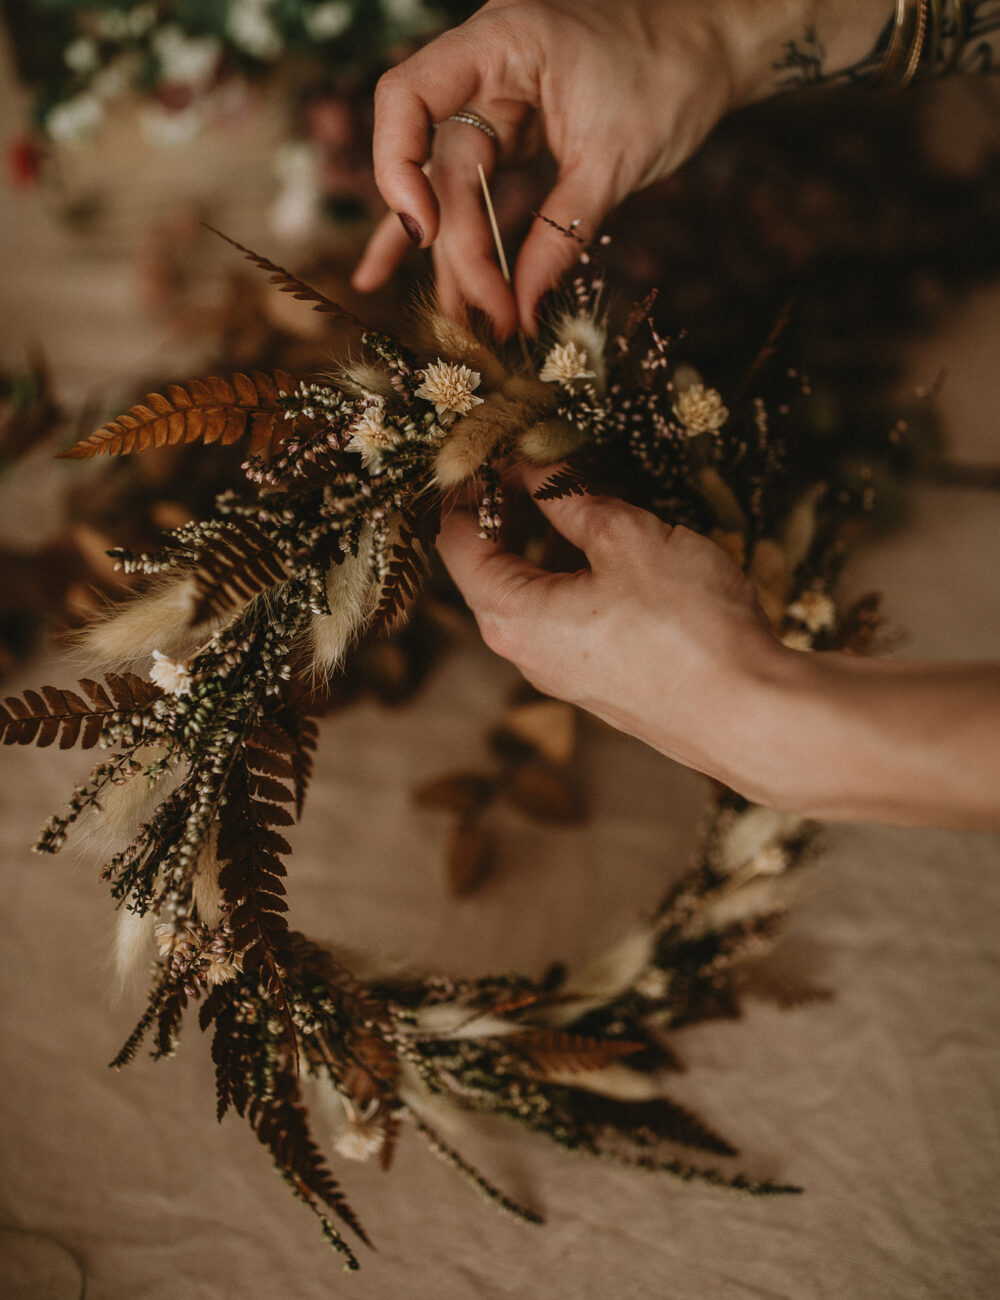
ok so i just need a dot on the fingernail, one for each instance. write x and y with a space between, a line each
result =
412 228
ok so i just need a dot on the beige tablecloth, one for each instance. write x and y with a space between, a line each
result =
882 1103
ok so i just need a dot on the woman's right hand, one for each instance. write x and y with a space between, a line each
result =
620 93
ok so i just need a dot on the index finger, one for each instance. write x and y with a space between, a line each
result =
431 85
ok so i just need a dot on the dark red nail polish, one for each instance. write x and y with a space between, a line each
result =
412 228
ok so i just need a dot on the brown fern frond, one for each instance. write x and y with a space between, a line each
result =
284 743
40 719
289 283
168 1020
552 1050
211 410
565 482
405 573
251 877
644 1123
234 569
281 1125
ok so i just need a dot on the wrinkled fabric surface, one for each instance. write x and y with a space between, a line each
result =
882 1102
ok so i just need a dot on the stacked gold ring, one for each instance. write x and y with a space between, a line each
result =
469 118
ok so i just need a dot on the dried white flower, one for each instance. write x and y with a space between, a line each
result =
450 388
361 1135
590 337
371 436
564 363
815 609
169 675
700 409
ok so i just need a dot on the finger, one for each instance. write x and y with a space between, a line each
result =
465 258
579 196
427 88
491 579
383 253
610 532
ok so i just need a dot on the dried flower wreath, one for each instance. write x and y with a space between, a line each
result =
209 754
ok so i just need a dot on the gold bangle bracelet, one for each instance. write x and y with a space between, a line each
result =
917 48
914 22
899 42
935 34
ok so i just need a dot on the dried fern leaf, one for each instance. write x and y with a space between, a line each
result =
41 719
289 283
212 410
647 1123
554 1050
405 573
281 1126
251 876
566 482
284 745
238 566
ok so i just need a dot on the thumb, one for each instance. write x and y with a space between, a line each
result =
579 197
491 579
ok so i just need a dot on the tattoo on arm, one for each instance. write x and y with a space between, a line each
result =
978 52
803 62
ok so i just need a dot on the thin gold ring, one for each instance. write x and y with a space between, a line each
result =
469 118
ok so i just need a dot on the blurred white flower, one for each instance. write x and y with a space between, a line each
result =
815 609
169 675
250 27
294 213
328 21
81 55
190 60
75 120
361 1134
171 126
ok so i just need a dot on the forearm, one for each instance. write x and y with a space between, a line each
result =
844 738
788 44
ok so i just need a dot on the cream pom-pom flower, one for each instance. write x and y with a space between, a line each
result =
450 387
564 363
370 435
700 409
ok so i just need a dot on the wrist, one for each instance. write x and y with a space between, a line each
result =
779 45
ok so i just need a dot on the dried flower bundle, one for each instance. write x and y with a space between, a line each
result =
207 731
